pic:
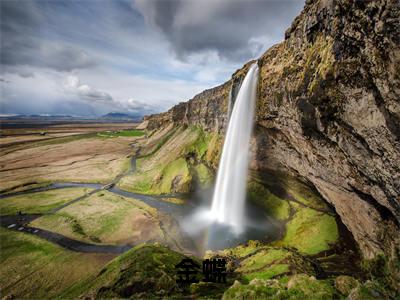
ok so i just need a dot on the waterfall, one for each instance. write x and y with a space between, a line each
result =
230 191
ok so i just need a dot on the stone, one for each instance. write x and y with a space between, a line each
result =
344 284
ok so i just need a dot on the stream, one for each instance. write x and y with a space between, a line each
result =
180 212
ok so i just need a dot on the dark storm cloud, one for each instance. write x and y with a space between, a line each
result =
4 80
229 27
23 41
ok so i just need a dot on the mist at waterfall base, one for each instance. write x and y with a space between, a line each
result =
232 220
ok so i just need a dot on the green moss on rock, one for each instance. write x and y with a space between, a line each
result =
203 174
262 259
146 271
175 177
298 287
274 206
310 231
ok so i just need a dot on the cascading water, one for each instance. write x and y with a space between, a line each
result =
230 191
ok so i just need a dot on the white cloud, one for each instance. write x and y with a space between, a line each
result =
73 85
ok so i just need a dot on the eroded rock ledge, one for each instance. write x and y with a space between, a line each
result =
328 112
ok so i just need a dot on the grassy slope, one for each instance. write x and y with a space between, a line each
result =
273 205
30 266
40 202
307 229
310 231
171 164
148 270
103 218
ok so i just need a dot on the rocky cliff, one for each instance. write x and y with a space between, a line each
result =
328 113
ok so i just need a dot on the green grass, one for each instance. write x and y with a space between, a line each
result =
262 259
175 176
268 273
297 287
124 133
101 218
160 143
175 169
264 264
146 269
310 231
244 250
200 145
30 266
40 202
204 175
274 206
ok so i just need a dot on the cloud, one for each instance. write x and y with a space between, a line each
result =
225 26
73 85
23 40
138 106
128 55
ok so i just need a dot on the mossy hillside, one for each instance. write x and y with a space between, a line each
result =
305 195
146 271
172 177
258 260
273 205
155 140
268 273
295 287
40 202
102 218
310 225
30 266
175 177
262 259
204 175
172 167
310 231
290 188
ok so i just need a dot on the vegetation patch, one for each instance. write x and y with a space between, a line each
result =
104 218
172 167
175 177
262 259
204 175
270 272
30 266
146 271
310 231
275 207
40 202
295 287
123 133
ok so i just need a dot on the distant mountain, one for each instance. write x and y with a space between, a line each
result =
122 116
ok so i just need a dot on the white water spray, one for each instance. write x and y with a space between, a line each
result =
230 190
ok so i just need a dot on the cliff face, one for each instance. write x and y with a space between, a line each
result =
328 113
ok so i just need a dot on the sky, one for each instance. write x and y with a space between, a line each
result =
92 57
